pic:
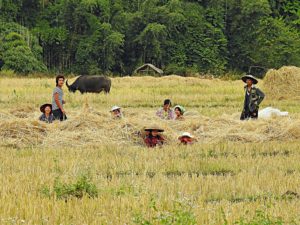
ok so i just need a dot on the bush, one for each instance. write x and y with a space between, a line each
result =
7 73
260 218
179 215
175 69
83 186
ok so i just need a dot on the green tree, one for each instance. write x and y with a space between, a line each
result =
243 20
276 45
101 52
16 55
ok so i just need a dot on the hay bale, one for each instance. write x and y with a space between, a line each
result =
91 128
22 133
23 112
283 83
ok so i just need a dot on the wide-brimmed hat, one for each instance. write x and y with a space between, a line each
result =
42 108
185 134
153 127
181 108
244 78
115 108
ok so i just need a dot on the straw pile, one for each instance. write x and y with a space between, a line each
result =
22 133
22 112
283 83
90 128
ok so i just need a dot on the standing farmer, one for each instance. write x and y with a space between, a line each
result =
57 99
253 97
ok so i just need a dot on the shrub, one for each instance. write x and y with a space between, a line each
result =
260 218
83 186
179 215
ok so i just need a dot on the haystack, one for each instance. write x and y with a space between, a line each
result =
22 133
283 83
93 128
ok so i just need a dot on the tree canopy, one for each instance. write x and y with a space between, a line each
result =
117 36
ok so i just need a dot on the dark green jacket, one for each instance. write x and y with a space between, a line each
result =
255 98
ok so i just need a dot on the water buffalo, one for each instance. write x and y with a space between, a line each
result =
93 84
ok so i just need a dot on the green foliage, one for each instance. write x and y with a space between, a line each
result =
17 55
7 73
260 218
277 44
179 215
182 37
99 52
82 187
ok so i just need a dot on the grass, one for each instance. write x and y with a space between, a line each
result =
222 182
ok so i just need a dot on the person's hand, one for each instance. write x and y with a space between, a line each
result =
63 111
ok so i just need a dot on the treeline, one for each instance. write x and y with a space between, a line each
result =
179 36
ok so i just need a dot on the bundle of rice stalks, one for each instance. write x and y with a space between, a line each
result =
22 112
4 115
22 133
282 83
274 129
89 128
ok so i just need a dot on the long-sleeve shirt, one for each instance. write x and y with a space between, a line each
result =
49 119
253 98
152 141
169 115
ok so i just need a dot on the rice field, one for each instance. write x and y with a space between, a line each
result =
93 169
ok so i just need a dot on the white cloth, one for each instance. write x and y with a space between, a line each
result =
270 111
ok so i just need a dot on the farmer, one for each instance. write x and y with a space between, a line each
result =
47 115
166 112
253 98
179 111
116 112
186 139
153 137
57 99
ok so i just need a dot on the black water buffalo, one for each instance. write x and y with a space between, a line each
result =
93 84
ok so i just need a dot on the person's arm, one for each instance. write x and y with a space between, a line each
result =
261 96
172 115
147 142
159 113
56 99
160 141
41 118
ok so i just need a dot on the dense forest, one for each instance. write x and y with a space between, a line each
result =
179 36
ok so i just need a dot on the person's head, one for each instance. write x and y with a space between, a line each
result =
179 110
249 82
116 111
167 104
155 133
60 79
46 109
186 138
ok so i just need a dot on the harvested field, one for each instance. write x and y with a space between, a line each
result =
92 169
89 127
